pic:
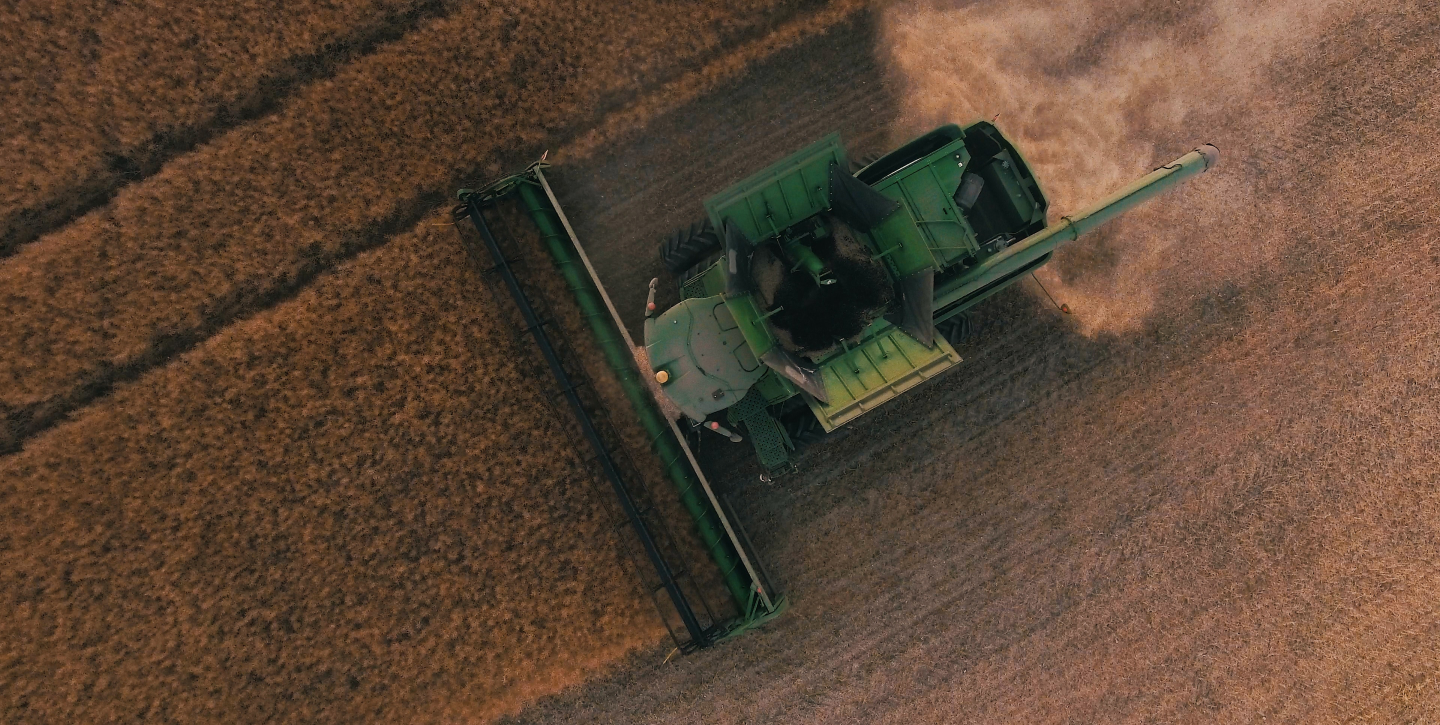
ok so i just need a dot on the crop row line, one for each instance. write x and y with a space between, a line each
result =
243 296
142 161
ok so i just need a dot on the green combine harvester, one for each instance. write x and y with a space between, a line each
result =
810 295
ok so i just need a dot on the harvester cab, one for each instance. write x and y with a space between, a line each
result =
812 294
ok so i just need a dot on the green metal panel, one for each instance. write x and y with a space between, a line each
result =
786 192
927 188
898 240
1003 265
747 313
708 283
772 445
775 388
885 364
708 363
932 232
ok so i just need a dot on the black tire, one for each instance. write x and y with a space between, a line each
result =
864 160
802 426
687 246
704 264
957 330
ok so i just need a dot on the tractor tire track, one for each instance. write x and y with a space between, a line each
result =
103 177
137 163
166 330
27 421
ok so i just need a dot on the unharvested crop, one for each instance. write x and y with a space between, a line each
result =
257 213
356 506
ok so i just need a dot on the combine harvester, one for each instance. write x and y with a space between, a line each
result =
810 295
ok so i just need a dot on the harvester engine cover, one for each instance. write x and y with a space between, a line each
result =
706 364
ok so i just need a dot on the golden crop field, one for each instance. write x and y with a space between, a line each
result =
99 96
269 451
338 510
254 215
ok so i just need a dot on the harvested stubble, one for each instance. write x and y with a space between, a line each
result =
353 507
94 98
254 215
1220 505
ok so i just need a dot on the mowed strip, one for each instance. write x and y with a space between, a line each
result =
93 98
253 216
355 507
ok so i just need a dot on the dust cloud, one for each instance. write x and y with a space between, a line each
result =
1095 94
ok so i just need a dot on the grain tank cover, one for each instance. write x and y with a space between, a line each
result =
786 192
803 184
701 350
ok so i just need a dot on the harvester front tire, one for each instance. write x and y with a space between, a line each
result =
688 245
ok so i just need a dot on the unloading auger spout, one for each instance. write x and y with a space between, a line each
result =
1073 226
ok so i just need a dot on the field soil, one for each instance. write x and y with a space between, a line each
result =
1209 495
271 452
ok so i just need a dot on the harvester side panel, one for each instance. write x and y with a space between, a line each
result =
884 365
925 189
782 194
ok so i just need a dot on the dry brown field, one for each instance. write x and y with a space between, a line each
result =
344 164
96 96
275 455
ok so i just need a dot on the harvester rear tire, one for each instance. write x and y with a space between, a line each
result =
802 427
856 164
957 330
688 245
